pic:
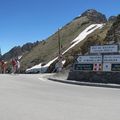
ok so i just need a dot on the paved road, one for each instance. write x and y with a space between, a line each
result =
33 97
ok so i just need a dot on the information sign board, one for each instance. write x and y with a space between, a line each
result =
111 58
104 49
83 67
97 67
90 59
106 66
115 67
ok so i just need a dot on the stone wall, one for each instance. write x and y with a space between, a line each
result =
97 77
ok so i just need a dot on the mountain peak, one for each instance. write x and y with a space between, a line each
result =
95 16
90 11
112 18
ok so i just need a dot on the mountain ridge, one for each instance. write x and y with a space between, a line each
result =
47 50
19 50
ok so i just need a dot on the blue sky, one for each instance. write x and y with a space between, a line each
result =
24 21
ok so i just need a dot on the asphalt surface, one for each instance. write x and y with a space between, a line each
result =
34 97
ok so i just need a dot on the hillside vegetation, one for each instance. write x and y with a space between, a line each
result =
47 50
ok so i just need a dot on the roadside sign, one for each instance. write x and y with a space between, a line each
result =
108 61
106 66
83 67
111 59
97 67
90 59
104 49
115 67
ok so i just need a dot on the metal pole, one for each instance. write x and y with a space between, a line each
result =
59 42
60 55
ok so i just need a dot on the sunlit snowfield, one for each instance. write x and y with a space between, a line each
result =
33 97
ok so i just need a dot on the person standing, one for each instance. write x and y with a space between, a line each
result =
17 66
14 63
3 66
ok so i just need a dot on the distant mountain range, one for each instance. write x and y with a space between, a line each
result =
19 50
46 50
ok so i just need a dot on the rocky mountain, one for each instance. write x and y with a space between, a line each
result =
113 35
86 24
48 50
112 18
95 16
19 51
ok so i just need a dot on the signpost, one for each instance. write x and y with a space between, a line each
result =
83 67
111 58
115 67
90 59
104 49
107 60
97 67
106 66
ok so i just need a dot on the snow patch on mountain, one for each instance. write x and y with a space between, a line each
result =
77 40
84 34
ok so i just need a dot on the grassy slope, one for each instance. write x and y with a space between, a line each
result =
47 50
